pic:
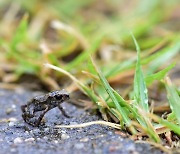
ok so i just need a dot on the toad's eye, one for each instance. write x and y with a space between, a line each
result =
58 97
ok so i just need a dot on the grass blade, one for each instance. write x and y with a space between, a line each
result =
159 75
140 90
174 99
165 55
175 128
21 32
112 96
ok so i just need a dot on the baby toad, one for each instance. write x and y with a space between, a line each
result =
35 109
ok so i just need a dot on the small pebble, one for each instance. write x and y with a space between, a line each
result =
29 139
79 145
101 135
18 140
13 106
9 110
84 139
64 136
26 132
12 123
12 119
56 141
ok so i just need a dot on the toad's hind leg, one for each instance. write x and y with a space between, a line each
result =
63 111
41 117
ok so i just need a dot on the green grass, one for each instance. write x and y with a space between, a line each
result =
140 90
174 99
138 110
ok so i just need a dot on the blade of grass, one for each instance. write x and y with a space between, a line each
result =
124 103
148 126
171 117
89 124
159 75
175 128
174 99
120 67
161 56
141 97
140 90
62 26
20 33
164 56
108 89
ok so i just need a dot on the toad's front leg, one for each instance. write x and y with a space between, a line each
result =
63 111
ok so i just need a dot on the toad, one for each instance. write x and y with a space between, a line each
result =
35 109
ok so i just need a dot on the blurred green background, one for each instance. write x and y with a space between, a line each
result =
60 31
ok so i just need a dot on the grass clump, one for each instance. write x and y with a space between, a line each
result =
133 115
